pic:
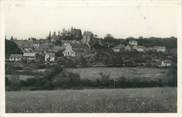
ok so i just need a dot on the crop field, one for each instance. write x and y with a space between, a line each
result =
93 100
127 72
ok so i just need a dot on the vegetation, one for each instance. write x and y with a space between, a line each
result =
93 97
58 78
172 79
160 100
101 54
11 48
169 43
109 41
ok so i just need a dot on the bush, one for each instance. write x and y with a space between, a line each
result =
58 78
13 83
172 76
67 80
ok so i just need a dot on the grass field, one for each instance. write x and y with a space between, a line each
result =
117 72
93 100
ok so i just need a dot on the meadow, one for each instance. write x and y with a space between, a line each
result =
93 100
144 73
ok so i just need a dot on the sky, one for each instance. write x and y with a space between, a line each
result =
120 21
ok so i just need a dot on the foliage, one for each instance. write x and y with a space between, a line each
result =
11 48
66 80
151 100
13 83
170 42
59 53
58 78
172 79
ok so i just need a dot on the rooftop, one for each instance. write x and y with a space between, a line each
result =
16 55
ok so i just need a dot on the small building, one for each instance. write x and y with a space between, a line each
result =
149 49
165 63
87 37
160 48
49 57
139 48
36 45
15 57
133 42
128 48
118 48
29 56
27 49
68 50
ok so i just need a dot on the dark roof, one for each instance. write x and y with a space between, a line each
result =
16 55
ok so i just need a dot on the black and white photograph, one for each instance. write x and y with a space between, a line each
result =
86 57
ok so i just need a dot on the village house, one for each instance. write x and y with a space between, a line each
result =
149 49
27 49
49 57
118 48
128 48
139 48
160 48
36 45
15 57
156 49
165 63
29 56
87 37
133 43
68 50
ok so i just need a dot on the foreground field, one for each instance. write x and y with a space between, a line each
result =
93 100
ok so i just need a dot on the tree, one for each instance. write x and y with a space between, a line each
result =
83 61
49 36
108 37
59 53
11 48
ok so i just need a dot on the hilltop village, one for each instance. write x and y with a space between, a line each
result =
76 59
74 48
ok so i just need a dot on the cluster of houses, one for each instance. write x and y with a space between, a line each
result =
133 45
68 50
46 49
31 57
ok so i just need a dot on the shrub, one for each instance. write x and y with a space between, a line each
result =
13 83
67 80
172 75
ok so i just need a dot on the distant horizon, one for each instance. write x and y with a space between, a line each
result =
27 37
99 35
137 37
